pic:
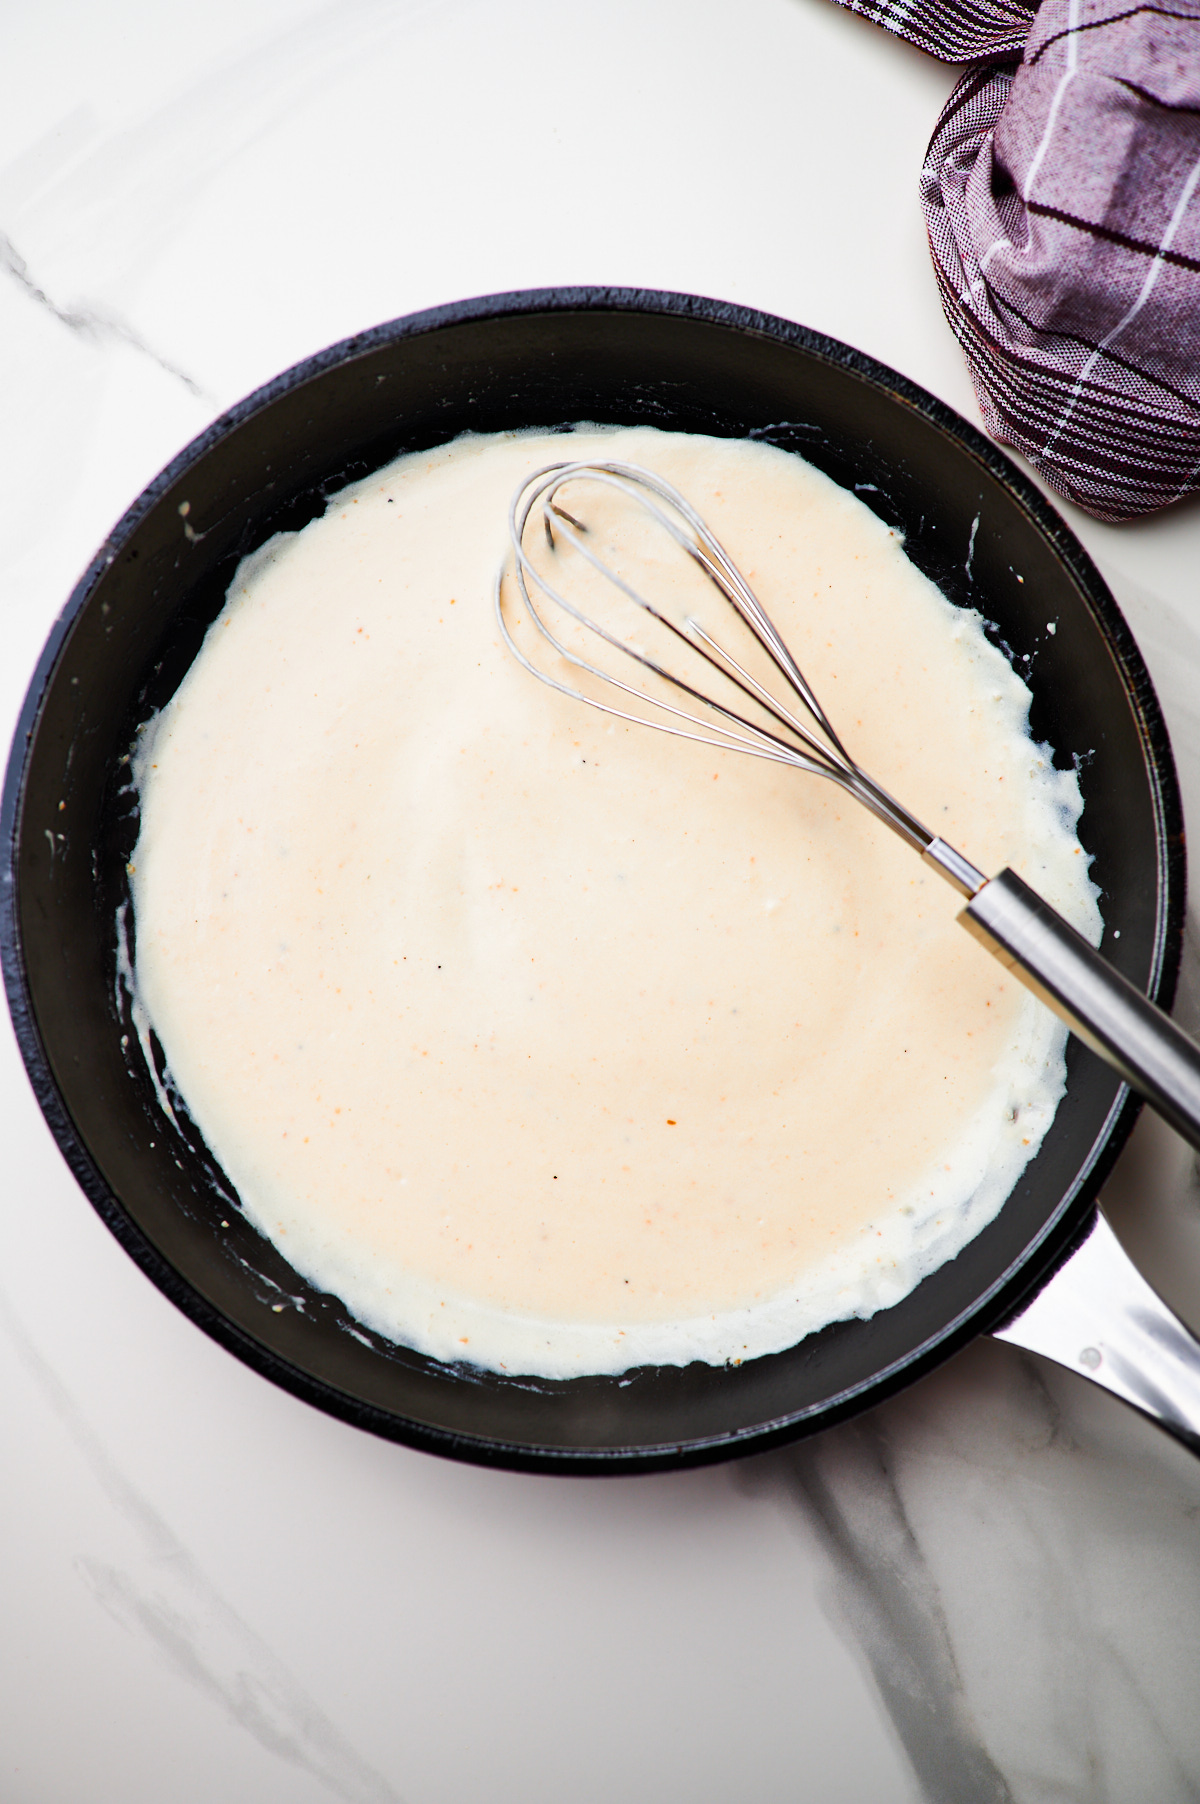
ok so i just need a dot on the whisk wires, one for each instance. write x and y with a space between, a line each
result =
800 733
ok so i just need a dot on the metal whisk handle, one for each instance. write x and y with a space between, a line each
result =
1107 1012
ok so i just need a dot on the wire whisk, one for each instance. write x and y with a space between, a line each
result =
800 732
782 720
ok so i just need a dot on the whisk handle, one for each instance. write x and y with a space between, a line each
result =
1107 1012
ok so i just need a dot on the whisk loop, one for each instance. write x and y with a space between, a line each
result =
800 732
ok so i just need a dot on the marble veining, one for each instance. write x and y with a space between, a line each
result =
891 1604
1017 1561
169 1599
88 322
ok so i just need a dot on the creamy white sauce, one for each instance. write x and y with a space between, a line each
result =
558 1046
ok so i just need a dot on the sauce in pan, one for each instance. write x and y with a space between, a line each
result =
554 1045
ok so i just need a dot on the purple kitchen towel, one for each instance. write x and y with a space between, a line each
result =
1062 198
955 31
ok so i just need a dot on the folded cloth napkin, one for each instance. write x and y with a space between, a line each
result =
1062 199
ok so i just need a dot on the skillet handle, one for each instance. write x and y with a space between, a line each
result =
1099 1317
1107 1012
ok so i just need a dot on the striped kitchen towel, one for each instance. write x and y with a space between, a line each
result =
1062 198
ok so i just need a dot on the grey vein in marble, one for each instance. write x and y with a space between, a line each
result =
94 209
1013 1553
175 1605
891 1603
90 322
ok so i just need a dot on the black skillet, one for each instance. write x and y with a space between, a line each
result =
136 620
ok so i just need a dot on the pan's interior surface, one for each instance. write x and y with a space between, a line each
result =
136 621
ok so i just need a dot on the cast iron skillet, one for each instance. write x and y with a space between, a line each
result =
135 621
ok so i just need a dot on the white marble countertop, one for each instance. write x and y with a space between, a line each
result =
987 1589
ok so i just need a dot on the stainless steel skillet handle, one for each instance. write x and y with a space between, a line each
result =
1098 1316
1107 1012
